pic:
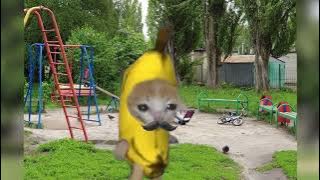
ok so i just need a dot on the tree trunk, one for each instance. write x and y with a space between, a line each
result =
211 54
257 68
257 63
264 69
261 71
172 53
211 48
262 49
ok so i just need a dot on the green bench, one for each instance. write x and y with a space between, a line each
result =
241 101
267 108
274 110
289 115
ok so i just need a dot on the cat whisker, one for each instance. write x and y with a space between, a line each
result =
167 126
151 126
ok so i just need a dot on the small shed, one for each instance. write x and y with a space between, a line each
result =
240 70
277 72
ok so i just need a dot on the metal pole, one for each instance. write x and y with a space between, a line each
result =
279 76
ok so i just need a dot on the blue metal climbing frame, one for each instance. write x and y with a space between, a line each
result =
35 57
86 60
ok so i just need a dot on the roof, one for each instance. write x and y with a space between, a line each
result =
289 57
244 59
240 59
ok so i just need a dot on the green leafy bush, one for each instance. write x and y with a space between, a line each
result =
47 88
111 55
186 68
25 87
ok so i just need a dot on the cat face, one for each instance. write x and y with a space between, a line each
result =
154 103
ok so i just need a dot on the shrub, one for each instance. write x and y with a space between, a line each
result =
47 88
111 55
186 68
25 87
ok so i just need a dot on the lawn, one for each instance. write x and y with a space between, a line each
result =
286 160
189 94
69 159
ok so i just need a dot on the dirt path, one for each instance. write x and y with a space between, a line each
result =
251 145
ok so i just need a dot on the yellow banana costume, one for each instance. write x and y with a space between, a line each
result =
149 149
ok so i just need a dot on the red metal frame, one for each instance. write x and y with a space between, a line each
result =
59 44
283 107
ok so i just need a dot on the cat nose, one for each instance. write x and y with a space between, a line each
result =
157 116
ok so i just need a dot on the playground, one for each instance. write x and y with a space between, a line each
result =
79 114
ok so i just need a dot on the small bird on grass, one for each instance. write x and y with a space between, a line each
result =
225 149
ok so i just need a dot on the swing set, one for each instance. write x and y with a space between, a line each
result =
84 88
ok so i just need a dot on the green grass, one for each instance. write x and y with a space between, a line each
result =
69 159
192 162
286 160
189 94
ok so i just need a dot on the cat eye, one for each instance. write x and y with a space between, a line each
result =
143 107
172 107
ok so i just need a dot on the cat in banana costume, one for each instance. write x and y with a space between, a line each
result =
148 103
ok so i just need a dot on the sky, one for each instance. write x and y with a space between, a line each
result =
144 5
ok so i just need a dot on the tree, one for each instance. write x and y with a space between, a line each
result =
72 14
111 57
185 18
243 39
154 18
227 33
221 19
285 39
214 10
130 17
272 32
196 24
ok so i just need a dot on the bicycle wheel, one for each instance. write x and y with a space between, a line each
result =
237 122
221 121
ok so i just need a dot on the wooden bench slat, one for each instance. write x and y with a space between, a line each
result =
82 92
75 86
219 100
224 100
288 115
269 108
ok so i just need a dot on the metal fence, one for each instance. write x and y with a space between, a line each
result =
290 79
243 75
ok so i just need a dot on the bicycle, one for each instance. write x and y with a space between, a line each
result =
231 117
